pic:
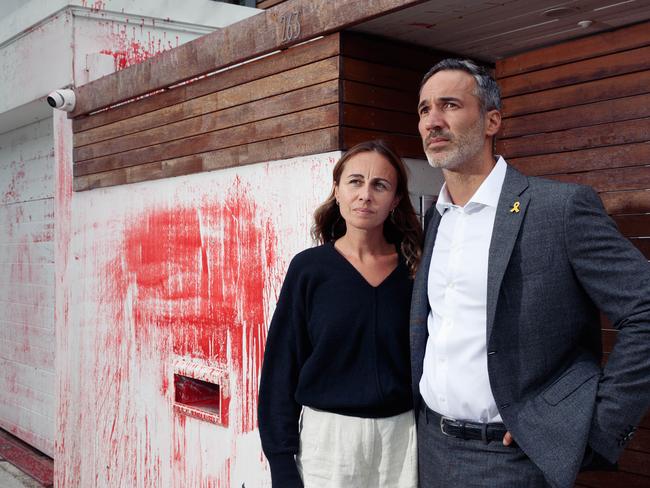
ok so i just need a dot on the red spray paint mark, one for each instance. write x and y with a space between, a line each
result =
200 273
95 5
128 50
11 191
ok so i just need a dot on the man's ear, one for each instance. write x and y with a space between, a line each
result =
492 122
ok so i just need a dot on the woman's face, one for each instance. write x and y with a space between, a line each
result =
366 191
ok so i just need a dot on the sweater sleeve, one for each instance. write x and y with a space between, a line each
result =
278 412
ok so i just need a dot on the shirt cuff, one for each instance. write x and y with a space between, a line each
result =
284 472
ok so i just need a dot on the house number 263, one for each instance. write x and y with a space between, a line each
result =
290 24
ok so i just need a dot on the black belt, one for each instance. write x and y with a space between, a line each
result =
463 429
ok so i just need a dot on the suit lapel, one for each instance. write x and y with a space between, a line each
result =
420 287
507 223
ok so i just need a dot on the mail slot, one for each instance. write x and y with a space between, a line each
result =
201 391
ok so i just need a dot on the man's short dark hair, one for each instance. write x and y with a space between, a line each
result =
487 90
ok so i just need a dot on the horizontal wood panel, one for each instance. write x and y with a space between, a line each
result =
634 178
608 479
264 67
268 3
634 462
588 47
378 97
228 46
405 145
605 157
592 91
389 52
579 138
379 75
311 74
626 202
634 225
306 120
285 103
590 69
641 440
643 245
313 142
376 119
615 110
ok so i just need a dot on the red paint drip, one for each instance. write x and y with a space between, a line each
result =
201 273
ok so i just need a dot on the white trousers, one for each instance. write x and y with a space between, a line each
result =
337 451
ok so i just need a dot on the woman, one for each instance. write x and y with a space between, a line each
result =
338 345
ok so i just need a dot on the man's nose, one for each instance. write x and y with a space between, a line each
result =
434 120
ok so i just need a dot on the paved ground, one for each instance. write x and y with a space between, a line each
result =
12 477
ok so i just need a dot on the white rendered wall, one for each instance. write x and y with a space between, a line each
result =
27 407
45 45
190 268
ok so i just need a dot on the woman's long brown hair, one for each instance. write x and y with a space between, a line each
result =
401 228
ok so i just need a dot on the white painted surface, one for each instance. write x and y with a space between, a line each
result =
186 267
45 45
211 250
27 406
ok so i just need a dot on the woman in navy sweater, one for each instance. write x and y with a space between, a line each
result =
335 405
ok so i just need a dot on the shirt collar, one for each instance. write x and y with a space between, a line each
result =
486 195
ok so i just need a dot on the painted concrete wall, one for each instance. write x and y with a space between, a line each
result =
46 45
182 270
27 407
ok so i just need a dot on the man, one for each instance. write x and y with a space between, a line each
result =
505 335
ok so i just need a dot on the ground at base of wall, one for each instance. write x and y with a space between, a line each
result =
22 466
12 477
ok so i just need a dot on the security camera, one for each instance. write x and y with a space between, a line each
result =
62 99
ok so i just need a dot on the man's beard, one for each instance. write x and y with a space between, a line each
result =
464 147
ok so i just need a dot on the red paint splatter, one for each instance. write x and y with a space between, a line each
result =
128 50
200 273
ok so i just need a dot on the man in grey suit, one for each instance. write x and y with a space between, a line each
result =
505 334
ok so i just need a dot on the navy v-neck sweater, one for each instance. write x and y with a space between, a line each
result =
335 343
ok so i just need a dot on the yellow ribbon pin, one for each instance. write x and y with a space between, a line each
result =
515 208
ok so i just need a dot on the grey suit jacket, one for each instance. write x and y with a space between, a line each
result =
552 266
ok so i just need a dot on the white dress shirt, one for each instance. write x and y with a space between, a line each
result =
455 380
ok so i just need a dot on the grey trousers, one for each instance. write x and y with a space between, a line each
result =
449 462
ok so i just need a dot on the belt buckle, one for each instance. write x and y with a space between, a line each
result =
442 424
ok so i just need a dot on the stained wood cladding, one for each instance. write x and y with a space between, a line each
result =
580 112
242 41
320 96
380 81
278 106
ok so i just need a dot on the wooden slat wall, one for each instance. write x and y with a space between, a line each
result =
580 112
380 79
268 3
279 106
320 96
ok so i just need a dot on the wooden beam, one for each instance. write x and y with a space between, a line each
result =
286 24
313 142
577 50
294 57
285 125
592 158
